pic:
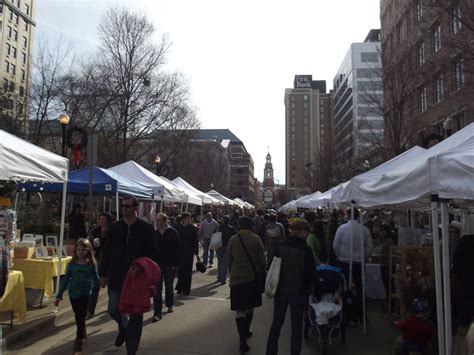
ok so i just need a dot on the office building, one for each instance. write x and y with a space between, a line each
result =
307 116
358 98
16 49
427 50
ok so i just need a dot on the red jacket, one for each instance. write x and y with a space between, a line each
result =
136 291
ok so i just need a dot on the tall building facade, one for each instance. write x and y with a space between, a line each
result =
427 50
16 49
307 107
358 97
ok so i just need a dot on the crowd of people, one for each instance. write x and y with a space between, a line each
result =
136 260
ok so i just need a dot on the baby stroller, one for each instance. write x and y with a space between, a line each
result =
325 311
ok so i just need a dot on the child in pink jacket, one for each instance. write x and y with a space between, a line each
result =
139 286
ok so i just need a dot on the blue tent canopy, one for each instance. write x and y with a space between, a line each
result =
104 182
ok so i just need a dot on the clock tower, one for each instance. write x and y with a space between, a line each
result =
268 173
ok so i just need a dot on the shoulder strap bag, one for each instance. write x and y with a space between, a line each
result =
259 278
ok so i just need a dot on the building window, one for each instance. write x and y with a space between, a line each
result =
15 35
422 99
456 18
26 26
439 89
23 56
458 74
292 97
22 91
293 105
27 9
23 75
13 69
436 37
5 84
13 52
7 66
460 121
421 54
25 42
12 86
305 97
9 49
418 10
305 105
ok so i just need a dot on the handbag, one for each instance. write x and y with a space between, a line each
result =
216 240
259 278
200 265
273 277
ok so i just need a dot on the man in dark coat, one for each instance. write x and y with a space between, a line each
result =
296 277
129 239
188 249
168 242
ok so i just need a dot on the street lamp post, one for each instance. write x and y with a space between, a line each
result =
157 163
64 120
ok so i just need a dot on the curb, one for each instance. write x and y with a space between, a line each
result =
34 329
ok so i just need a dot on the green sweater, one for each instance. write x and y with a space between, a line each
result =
79 277
240 269
315 246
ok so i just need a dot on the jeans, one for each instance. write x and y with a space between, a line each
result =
79 306
205 253
221 264
94 297
167 276
297 304
131 329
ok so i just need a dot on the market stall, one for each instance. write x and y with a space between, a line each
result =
22 161
205 198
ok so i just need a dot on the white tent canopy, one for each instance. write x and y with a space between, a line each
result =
227 201
205 198
23 161
240 202
304 202
445 169
161 187
351 191
287 207
187 196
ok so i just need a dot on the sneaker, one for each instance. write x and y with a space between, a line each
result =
170 310
156 319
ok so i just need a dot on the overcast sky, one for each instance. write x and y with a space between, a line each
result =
239 56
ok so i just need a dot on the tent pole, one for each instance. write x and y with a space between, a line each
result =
161 205
103 204
351 250
117 206
187 206
16 201
61 232
446 277
438 273
362 268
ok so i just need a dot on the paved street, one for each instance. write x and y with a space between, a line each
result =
201 324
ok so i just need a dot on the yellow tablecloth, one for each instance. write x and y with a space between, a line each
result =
14 297
39 273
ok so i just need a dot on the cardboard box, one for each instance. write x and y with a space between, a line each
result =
24 253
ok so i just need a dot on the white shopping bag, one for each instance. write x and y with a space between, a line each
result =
273 277
216 241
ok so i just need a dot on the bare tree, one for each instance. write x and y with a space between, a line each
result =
124 94
51 64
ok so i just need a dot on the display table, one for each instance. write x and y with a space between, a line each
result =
374 288
14 300
39 273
